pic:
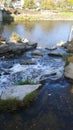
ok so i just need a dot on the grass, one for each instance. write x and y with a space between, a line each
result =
68 60
25 82
66 13
11 105
65 58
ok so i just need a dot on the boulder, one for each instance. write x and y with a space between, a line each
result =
46 76
11 48
2 40
25 40
37 53
69 71
51 48
4 48
69 46
62 43
28 62
18 92
55 54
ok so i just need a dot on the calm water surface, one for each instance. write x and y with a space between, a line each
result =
53 107
44 33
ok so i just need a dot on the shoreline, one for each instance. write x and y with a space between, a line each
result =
39 17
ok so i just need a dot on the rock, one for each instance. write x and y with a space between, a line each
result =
18 48
69 46
55 54
28 62
37 53
19 92
8 56
2 40
51 48
5 73
25 40
69 71
62 43
46 76
4 48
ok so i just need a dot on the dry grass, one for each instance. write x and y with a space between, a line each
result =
70 59
71 89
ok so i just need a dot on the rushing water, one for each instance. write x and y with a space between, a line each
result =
53 107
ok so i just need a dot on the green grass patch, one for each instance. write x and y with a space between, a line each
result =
65 58
11 105
66 13
25 82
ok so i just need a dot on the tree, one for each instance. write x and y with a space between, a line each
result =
47 4
29 4
7 2
70 2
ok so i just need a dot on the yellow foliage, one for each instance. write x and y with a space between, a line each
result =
70 59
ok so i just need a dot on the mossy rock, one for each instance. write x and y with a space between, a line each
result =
11 105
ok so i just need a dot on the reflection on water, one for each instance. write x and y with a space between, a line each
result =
43 32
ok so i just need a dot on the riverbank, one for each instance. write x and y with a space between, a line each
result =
57 16
38 16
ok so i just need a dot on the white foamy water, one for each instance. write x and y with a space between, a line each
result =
44 66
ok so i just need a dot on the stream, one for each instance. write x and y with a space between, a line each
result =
52 109
53 106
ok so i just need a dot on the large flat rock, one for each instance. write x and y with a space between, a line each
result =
19 91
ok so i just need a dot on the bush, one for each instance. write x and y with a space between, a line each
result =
15 37
70 59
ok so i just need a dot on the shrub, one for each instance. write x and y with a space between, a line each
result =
15 37
70 59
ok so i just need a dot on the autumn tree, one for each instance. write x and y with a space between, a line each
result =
29 4
47 4
70 2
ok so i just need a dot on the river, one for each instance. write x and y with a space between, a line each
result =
53 106
45 33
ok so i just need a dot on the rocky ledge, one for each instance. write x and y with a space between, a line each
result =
68 71
15 45
20 96
18 48
19 91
